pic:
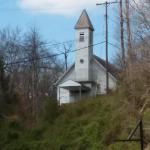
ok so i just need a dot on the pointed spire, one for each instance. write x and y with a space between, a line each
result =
84 21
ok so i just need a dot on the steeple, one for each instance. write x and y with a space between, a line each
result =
84 34
84 22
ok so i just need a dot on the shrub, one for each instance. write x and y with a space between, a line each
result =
50 110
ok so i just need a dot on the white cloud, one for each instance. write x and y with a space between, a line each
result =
60 7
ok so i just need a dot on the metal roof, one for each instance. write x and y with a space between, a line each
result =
84 22
74 86
70 83
111 68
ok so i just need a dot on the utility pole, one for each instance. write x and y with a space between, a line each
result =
107 75
106 17
66 51
66 57
122 32
66 62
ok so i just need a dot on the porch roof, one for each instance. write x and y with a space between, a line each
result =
73 86
70 83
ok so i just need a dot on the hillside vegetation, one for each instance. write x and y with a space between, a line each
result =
86 125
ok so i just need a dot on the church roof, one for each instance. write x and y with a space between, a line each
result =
111 68
84 22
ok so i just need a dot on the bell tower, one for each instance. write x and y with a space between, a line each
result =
84 40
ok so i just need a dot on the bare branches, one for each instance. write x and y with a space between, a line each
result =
31 79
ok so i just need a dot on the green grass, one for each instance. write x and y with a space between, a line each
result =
92 124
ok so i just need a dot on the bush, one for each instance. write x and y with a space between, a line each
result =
50 110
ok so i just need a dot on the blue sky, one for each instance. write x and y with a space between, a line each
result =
55 19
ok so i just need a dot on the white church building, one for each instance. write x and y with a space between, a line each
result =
87 76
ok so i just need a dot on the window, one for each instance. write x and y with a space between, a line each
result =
81 39
81 61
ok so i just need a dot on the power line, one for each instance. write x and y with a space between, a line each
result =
65 42
49 44
60 43
50 56
114 45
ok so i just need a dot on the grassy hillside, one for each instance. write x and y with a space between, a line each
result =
92 124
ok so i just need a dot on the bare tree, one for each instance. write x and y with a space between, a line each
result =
136 75
11 52
31 67
128 27
122 32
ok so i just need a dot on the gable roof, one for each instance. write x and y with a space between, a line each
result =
111 68
65 73
84 21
